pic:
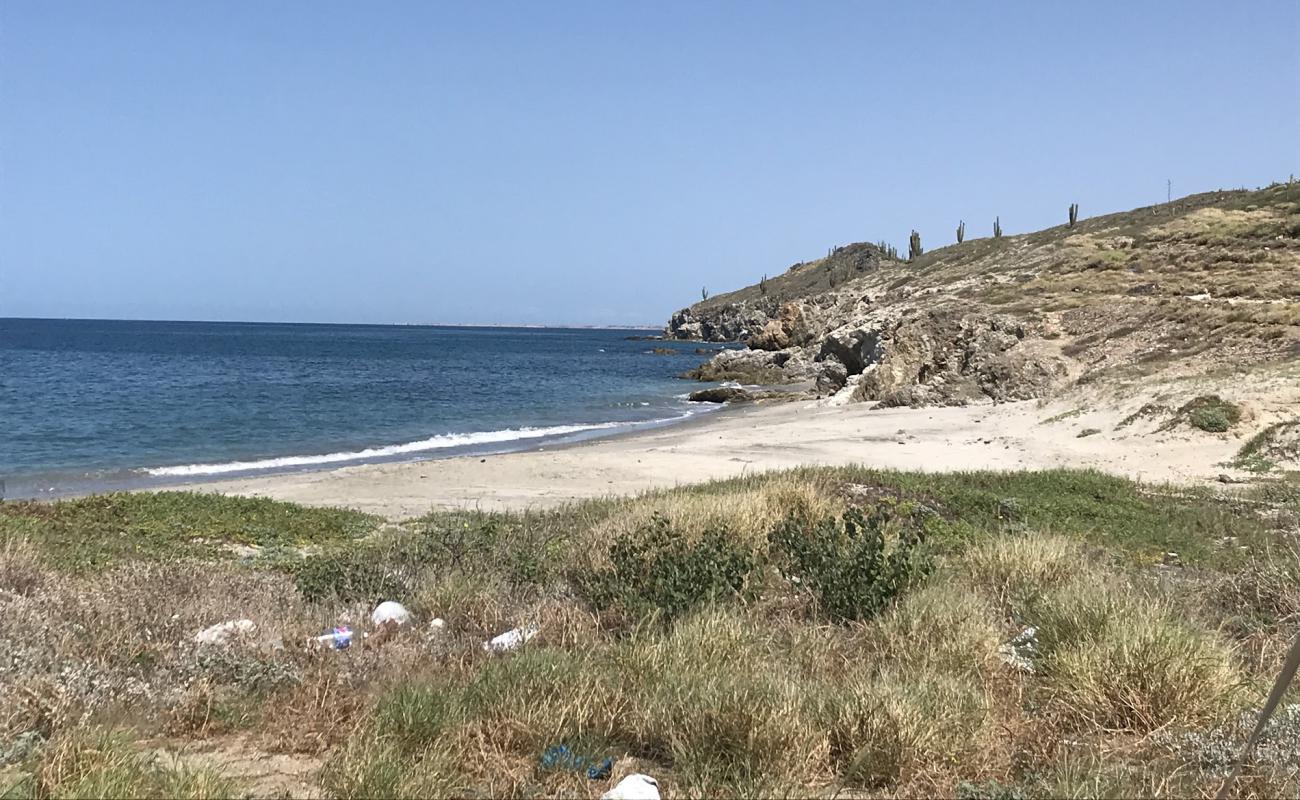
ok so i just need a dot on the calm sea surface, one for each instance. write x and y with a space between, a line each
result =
87 404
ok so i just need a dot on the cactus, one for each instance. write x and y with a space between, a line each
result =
1074 214
997 227
914 246
961 231
762 285
704 293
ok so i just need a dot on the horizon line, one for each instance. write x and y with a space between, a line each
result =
545 325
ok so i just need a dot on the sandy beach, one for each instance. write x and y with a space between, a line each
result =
1009 436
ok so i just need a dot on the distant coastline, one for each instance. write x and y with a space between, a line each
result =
514 326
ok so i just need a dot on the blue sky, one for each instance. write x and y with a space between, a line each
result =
589 163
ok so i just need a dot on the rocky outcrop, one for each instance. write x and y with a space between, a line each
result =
905 357
756 367
856 347
727 322
947 358
789 329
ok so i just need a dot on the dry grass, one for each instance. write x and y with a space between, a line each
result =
748 513
752 696
1016 570
21 570
97 762
1121 661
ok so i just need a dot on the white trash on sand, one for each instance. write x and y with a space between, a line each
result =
634 787
221 633
511 639
390 611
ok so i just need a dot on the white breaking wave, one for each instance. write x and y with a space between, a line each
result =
442 442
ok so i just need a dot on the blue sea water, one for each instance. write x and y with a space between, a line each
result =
92 404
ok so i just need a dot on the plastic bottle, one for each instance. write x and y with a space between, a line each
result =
339 639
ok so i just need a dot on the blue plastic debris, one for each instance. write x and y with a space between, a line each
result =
560 756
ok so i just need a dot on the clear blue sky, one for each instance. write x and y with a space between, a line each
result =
548 162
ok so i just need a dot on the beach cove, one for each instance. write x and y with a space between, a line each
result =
749 439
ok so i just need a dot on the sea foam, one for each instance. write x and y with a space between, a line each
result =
433 443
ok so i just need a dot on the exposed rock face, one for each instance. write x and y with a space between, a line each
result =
904 357
788 329
854 346
731 322
832 377
946 358
755 367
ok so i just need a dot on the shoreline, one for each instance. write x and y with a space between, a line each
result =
524 439
736 441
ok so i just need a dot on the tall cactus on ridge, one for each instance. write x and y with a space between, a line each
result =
914 246
1074 214
997 227
961 231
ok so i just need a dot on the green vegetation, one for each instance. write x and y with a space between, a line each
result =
854 566
1279 442
808 632
1209 413
94 532
1064 415
658 569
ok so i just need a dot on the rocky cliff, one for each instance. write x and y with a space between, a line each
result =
1206 281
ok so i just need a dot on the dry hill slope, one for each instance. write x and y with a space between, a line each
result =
1207 282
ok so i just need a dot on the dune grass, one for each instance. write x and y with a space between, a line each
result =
718 685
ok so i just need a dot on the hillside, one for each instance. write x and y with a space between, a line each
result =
1208 282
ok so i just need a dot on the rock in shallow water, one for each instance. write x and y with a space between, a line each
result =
719 394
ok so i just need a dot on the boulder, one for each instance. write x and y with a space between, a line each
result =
743 366
856 348
832 377
718 394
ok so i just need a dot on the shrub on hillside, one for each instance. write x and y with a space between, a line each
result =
856 565
1209 413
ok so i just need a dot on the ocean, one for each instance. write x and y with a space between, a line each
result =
88 405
